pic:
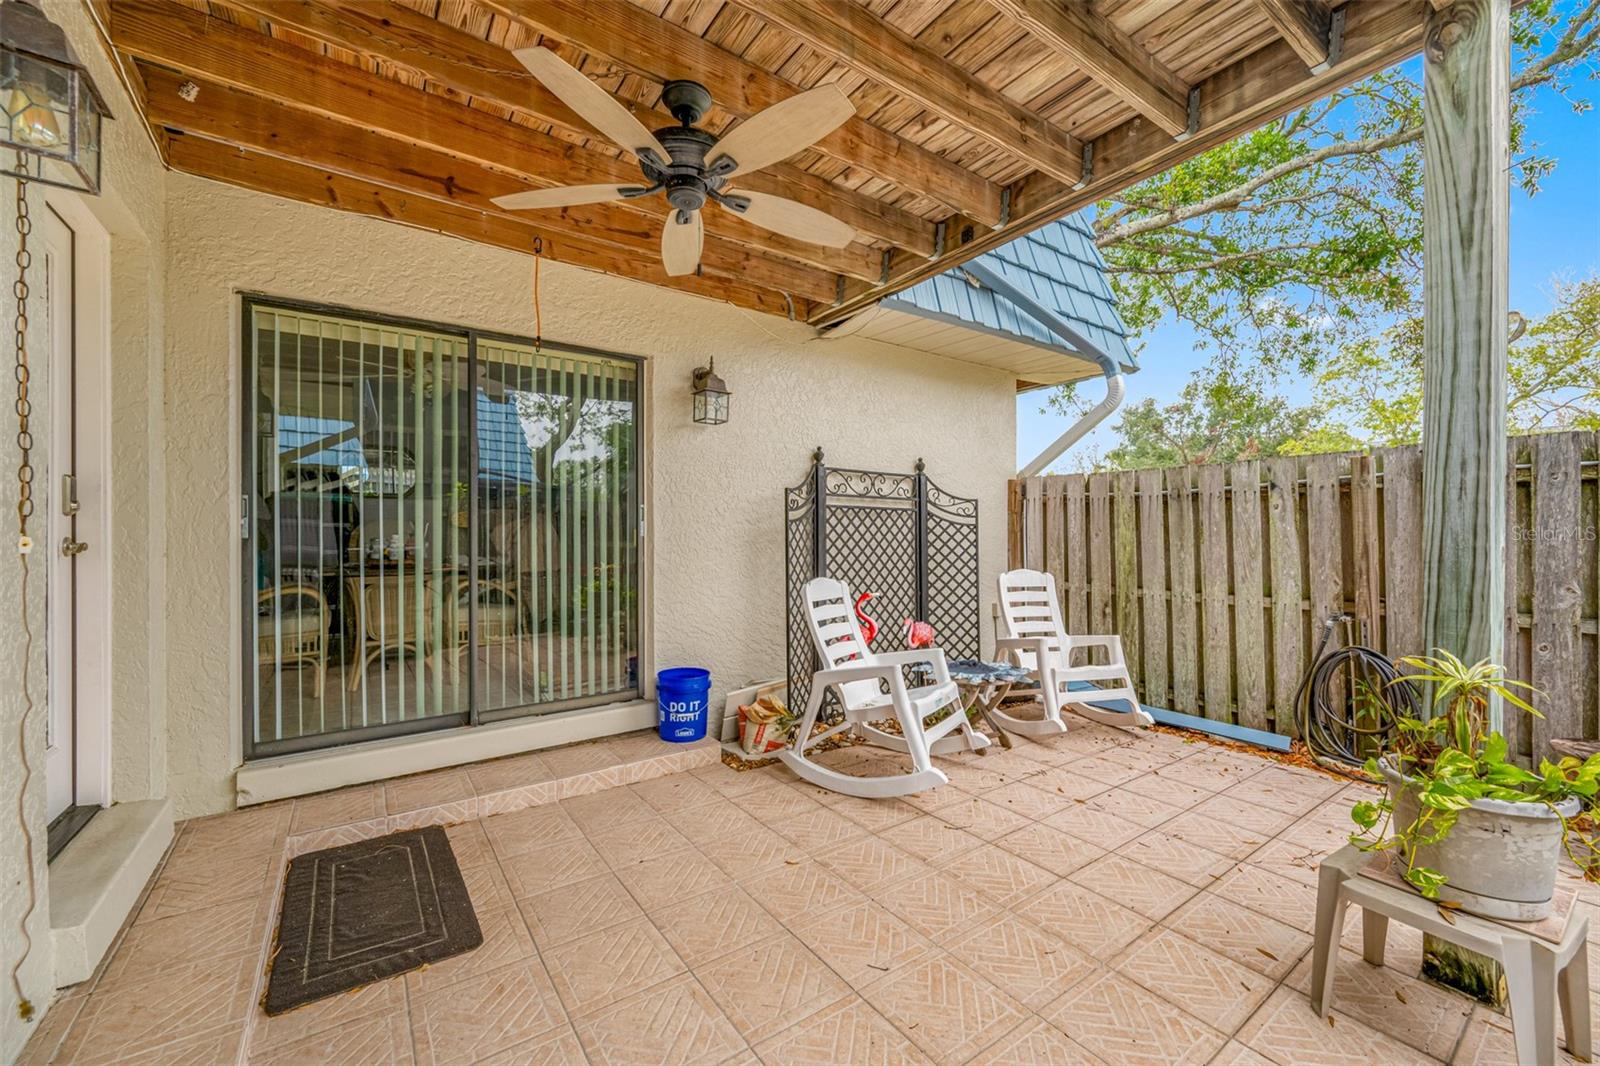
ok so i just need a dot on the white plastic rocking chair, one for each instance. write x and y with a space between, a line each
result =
861 677
1036 639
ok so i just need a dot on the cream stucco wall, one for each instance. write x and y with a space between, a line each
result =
715 502
131 211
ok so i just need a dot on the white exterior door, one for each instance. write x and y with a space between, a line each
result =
52 343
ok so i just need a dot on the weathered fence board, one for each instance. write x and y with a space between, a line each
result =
1219 579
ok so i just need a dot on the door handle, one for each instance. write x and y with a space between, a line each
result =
71 547
69 495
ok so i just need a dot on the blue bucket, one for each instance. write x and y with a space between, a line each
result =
682 697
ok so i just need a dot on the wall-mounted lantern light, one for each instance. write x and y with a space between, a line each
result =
710 396
52 110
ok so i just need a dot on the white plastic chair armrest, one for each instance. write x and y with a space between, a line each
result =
934 657
1039 646
1111 642
880 670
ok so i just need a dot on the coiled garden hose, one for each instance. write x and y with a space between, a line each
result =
1347 704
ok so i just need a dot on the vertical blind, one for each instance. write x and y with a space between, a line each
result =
444 529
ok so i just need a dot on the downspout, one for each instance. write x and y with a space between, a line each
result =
984 277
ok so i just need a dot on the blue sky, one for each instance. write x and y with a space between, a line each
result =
1553 234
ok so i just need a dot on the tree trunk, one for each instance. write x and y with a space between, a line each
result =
1465 216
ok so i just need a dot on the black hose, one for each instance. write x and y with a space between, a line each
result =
1347 702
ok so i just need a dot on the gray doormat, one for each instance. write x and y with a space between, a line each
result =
365 911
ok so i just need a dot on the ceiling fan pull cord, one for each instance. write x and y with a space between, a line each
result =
538 318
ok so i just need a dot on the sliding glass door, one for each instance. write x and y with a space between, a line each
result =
441 528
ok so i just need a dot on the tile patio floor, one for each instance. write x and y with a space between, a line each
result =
1101 897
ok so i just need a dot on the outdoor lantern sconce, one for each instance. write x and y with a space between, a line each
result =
710 396
52 110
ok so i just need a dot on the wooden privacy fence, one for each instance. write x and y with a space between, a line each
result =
1218 578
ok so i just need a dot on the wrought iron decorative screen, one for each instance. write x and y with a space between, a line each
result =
897 535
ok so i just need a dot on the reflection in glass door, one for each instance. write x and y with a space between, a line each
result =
439 527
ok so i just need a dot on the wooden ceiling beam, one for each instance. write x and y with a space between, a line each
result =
1092 44
1262 86
295 181
1303 24
249 122
183 39
659 50
853 35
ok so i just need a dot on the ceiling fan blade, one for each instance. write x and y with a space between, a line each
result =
565 196
783 129
598 107
681 243
785 216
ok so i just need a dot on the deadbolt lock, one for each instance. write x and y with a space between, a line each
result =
71 547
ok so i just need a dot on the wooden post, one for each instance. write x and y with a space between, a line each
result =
1465 215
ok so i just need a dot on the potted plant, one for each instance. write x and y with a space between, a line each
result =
1469 827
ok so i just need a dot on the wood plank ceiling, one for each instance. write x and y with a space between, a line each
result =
976 120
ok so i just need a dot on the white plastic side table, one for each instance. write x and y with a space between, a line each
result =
1545 961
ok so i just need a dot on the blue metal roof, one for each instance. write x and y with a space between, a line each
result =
1058 264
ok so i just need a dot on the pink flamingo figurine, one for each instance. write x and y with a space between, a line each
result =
918 634
869 625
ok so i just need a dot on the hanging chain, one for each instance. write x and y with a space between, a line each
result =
538 314
24 404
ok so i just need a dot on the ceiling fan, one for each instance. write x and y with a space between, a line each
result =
691 165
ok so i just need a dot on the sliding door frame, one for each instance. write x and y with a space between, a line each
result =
633 512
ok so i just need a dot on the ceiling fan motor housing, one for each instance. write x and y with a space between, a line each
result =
684 177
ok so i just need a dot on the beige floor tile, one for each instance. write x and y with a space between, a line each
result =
487 887
777 804
600 812
666 880
1097 827
745 852
1177 858
1234 1053
418 791
603 967
635 841
1148 891
1169 792
1489 1041
1208 985
1295 861
982 819
541 869
716 923
1035 1043
807 887
862 941
196 879
869 864
195 1000
845 1032
51 1030
1123 1023
1021 797
470 844
708 822
368 1038
1234 841
937 905
503 775
820 830
1066 784
1048 847
674 1023
1285 1030
765 988
1032 966
1252 940
237 833
493 1012
1247 813
874 815
1290 901
530 828
206 1049
675 792
558 1047
576 759
560 915
1210 771
341 807
999 875
930 838
1084 918
505 941
1398 1005
943 1007
222 931
1136 805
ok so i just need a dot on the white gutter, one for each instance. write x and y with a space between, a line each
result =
982 276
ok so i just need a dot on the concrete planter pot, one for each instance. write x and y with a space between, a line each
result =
1499 860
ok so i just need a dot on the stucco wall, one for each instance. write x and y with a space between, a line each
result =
131 211
716 504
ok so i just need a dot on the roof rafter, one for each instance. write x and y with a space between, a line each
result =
851 34
249 122
659 50
1092 44
1304 25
